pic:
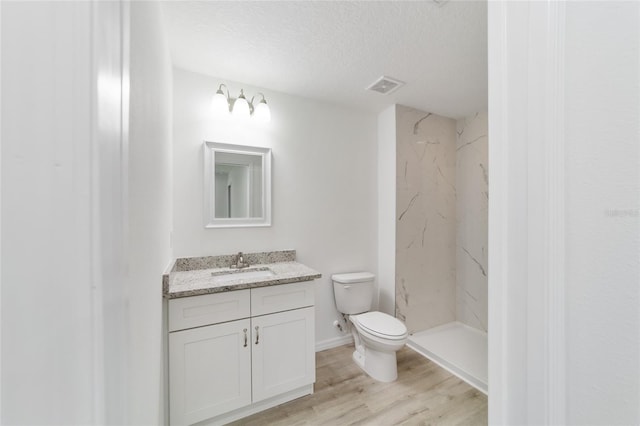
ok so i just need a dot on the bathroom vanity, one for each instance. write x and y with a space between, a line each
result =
239 340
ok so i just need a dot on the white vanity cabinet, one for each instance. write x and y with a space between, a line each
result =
202 359
235 353
283 355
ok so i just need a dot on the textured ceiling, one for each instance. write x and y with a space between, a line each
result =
331 50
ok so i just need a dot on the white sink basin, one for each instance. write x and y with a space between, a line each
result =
251 274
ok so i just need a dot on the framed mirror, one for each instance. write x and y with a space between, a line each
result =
237 185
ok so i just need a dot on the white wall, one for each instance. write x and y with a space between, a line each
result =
63 218
603 212
564 341
387 210
150 208
324 183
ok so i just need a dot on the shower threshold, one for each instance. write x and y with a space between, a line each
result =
456 347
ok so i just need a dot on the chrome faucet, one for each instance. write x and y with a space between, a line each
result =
239 262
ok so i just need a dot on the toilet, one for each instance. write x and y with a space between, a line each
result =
377 336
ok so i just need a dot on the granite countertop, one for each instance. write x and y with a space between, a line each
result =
202 279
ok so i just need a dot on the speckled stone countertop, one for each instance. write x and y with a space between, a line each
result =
195 276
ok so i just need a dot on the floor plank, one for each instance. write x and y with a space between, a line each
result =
424 394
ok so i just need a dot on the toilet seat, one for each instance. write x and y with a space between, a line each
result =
380 325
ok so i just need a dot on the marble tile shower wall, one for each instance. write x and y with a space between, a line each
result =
425 218
472 216
441 219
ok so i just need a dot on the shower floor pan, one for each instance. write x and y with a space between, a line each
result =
458 348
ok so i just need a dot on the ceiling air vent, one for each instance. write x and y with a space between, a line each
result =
385 85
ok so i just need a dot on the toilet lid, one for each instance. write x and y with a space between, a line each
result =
382 324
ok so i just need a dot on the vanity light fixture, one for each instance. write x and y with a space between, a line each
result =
221 106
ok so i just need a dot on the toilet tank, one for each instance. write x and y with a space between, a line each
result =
353 292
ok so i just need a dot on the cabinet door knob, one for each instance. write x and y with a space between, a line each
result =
245 337
257 335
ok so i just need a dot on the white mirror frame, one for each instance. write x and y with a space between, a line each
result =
209 214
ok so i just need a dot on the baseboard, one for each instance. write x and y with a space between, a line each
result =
333 342
256 407
453 369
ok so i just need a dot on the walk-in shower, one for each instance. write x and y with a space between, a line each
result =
441 239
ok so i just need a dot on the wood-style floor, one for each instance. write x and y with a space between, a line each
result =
424 394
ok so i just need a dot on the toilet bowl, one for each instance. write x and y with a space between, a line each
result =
377 336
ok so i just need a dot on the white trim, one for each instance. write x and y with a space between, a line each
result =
108 24
0 222
125 80
498 201
555 350
526 213
334 342
99 380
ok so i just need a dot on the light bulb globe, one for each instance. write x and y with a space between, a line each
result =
219 105
241 107
262 113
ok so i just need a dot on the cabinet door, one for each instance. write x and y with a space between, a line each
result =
209 371
283 356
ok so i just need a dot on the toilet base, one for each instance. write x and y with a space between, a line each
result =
359 360
381 366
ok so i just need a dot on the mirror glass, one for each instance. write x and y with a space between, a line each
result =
237 185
